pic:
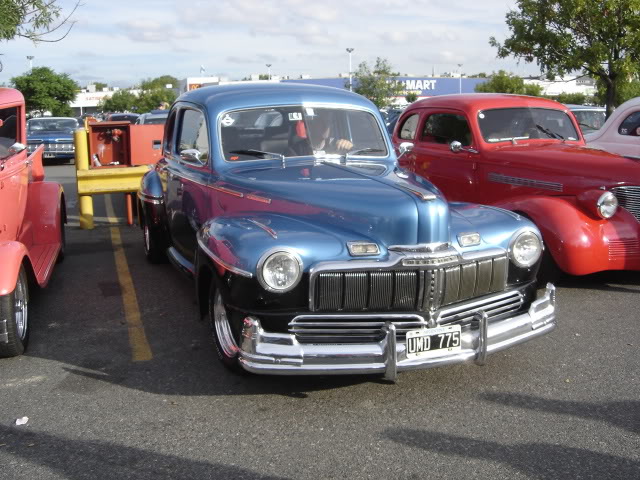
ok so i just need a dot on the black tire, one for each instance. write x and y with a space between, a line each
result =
154 245
223 336
14 309
63 239
549 271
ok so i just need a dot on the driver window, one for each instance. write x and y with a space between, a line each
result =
631 125
408 130
8 129
194 134
445 128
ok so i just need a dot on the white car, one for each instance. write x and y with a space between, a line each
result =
621 132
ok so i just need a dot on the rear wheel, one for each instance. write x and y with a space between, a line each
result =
15 312
223 336
154 248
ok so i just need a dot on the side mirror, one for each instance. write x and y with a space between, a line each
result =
16 148
191 155
405 147
455 146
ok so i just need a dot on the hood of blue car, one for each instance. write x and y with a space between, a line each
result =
356 202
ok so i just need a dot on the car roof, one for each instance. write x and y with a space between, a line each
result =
586 107
247 95
485 101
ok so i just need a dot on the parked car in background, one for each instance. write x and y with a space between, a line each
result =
156 117
55 133
590 117
121 117
621 132
32 216
527 155
313 253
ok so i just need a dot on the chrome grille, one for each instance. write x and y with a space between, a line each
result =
624 249
629 199
407 290
360 328
67 147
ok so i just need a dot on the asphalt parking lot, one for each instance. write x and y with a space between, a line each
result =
121 381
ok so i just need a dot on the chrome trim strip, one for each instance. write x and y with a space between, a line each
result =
269 230
4 332
152 199
258 198
524 182
482 254
468 306
221 262
180 262
424 196
423 248
226 190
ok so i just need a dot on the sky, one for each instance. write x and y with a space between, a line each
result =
121 43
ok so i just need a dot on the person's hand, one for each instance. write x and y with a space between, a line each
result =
344 145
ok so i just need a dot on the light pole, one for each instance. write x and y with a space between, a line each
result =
349 50
30 58
269 67
460 78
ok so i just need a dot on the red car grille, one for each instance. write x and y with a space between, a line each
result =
624 249
629 199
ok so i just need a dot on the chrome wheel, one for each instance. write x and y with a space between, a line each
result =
223 328
21 308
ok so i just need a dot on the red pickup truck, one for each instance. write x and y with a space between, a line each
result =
528 155
32 218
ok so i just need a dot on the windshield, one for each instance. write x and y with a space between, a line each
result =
590 120
296 131
509 124
57 125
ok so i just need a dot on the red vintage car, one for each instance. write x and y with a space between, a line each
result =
32 217
528 155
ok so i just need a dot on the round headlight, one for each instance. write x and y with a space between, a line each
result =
526 249
607 205
279 271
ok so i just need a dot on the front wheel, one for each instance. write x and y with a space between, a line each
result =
14 311
226 345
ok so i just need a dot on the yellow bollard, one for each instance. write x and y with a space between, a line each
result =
85 202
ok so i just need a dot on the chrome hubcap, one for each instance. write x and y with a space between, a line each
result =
20 308
223 329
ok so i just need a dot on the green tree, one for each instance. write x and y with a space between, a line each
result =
155 91
599 37
100 86
504 82
411 97
46 91
120 101
625 91
36 20
572 98
159 83
378 85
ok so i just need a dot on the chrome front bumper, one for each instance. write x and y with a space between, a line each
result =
281 354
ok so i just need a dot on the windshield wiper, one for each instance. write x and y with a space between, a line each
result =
548 132
361 151
256 153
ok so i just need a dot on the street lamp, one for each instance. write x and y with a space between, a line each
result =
460 78
30 58
269 67
349 50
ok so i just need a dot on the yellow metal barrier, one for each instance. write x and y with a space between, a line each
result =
100 180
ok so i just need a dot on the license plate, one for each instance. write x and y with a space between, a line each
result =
48 155
433 341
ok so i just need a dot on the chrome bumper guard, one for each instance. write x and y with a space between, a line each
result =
281 354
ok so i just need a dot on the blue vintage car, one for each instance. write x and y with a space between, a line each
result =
56 133
312 252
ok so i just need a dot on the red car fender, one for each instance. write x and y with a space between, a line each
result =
577 241
11 256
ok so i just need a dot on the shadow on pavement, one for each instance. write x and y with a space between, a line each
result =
96 460
624 414
536 460
615 281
